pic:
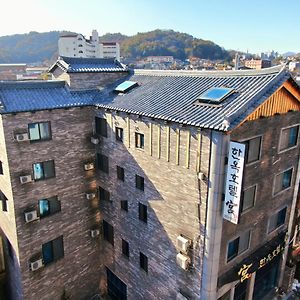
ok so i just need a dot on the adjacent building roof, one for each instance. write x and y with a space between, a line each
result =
33 96
165 95
88 65
172 95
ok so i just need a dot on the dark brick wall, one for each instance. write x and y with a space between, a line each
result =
172 197
78 271
262 173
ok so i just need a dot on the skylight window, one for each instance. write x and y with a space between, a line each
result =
215 94
125 86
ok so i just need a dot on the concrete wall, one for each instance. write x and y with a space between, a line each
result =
78 272
172 194
262 173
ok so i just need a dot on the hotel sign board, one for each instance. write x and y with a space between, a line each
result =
234 182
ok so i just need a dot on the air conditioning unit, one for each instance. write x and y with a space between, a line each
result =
31 216
37 264
90 196
179 296
89 166
183 261
25 179
183 244
95 232
22 137
94 140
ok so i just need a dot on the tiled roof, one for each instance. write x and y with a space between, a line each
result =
32 96
171 95
88 65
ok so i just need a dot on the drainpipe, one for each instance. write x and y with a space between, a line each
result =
290 225
214 220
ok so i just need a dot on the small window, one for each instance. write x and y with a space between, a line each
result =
101 126
1 168
4 201
49 206
80 51
288 138
144 262
215 94
124 205
120 173
53 250
139 182
43 170
119 134
102 162
277 220
39 131
253 149
80 45
125 86
139 140
283 181
248 197
104 194
108 232
143 212
125 248
238 246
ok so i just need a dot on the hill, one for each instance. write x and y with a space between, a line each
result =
38 47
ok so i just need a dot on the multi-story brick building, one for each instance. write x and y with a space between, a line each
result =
118 188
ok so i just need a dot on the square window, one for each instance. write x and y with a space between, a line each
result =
101 126
248 197
253 147
120 173
283 181
119 134
139 182
104 194
53 250
238 246
124 205
43 170
144 262
39 131
139 140
108 232
125 248
49 206
102 163
288 138
277 220
143 212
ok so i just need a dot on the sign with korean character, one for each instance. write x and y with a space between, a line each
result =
234 182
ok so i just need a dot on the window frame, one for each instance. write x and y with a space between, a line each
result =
144 262
108 232
243 211
140 182
101 126
43 170
103 163
245 141
123 205
106 194
119 134
4 201
277 214
281 136
239 252
50 212
125 248
54 256
143 212
40 138
120 173
139 140
285 189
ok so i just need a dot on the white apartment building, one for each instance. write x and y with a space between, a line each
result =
76 45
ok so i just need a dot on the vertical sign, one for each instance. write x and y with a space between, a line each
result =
234 182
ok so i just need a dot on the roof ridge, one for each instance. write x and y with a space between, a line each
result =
32 83
265 71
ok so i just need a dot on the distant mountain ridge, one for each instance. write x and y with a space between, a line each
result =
40 47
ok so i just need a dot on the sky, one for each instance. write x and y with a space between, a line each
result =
254 25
